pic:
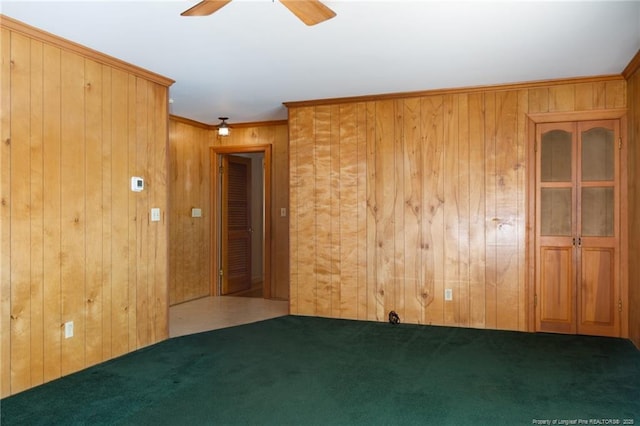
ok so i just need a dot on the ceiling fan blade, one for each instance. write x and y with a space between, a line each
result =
205 7
310 12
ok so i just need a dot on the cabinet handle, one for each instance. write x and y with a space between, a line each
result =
574 241
579 241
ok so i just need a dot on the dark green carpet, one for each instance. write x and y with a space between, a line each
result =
301 371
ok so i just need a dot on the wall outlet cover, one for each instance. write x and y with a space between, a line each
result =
68 329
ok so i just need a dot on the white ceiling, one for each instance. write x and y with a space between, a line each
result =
250 56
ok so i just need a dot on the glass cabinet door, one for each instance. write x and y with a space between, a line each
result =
597 167
556 168
578 227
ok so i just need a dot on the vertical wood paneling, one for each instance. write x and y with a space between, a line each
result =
280 196
506 210
158 283
615 94
433 216
584 96
107 211
52 309
295 186
120 218
306 215
93 205
67 139
188 148
521 208
539 100
334 260
132 206
600 95
440 202
562 98
36 191
477 212
371 243
413 178
398 212
361 199
325 260
346 172
141 145
451 210
462 297
20 216
385 197
490 225
5 212
73 220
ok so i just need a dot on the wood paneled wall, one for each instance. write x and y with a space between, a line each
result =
190 251
395 199
77 244
189 183
633 98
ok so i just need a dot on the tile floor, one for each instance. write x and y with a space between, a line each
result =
210 313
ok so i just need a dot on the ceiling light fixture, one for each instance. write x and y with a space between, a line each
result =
223 127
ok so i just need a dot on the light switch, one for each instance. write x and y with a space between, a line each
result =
283 212
196 212
155 214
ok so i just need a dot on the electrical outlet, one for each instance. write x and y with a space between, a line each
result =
68 329
448 294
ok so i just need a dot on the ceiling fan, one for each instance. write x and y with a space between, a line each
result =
311 12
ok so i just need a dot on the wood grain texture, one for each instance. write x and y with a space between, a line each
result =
67 251
189 277
326 258
20 215
443 204
52 309
413 206
5 212
93 298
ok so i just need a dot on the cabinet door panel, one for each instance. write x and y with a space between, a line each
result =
598 297
556 292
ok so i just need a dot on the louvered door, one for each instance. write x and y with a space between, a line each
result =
236 224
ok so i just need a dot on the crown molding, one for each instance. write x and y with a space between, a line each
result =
632 67
454 91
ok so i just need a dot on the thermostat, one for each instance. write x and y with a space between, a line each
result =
137 184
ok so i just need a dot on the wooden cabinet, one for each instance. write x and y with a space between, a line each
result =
578 227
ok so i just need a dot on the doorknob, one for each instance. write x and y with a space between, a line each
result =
250 229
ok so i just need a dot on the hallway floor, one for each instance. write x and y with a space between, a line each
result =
210 313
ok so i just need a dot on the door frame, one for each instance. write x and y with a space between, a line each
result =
533 120
216 217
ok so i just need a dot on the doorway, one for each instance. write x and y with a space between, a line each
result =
240 235
577 186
